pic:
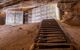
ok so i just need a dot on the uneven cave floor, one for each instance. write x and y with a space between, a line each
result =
22 36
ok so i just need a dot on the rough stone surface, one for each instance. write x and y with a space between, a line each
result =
18 37
70 13
73 32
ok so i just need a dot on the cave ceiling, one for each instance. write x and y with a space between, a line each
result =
6 3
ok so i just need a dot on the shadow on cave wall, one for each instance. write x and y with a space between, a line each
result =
2 20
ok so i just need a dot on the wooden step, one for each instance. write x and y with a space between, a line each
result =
50 23
51 35
49 28
49 31
51 41
54 49
46 33
52 45
54 32
47 24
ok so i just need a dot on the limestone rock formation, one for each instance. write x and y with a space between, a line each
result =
70 13
71 20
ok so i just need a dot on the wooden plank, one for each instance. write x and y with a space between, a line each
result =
53 45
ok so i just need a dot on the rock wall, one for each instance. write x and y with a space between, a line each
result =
70 13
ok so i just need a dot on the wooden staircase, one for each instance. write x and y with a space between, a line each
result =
51 37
